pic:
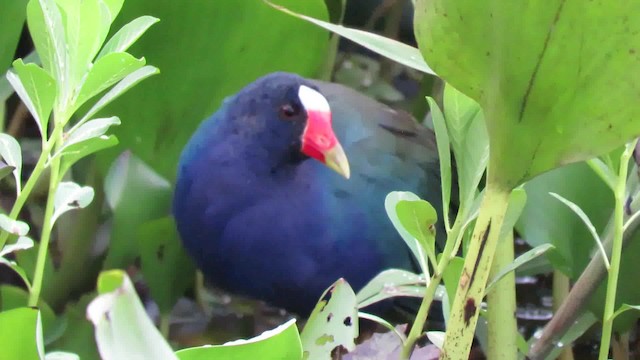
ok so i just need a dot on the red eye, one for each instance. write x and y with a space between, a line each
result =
289 111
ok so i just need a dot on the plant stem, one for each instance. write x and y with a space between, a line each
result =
47 227
616 253
503 329
449 251
466 305
165 322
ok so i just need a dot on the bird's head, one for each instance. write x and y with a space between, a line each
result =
288 117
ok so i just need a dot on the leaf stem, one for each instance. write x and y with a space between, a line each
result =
501 319
466 305
616 252
47 227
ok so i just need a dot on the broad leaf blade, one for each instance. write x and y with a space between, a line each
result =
47 31
72 153
128 35
391 283
70 196
125 84
392 199
332 323
129 183
21 334
123 329
549 99
36 89
282 342
107 71
90 130
167 269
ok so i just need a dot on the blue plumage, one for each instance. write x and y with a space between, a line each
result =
263 220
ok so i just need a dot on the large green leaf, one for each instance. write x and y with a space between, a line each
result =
282 342
21 334
167 269
206 51
123 328
556 79
547 220
13 15
135 194
332 323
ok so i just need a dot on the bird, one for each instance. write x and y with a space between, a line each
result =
281 191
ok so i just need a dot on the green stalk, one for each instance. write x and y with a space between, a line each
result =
503 328
165 323
47 227
616 253
453 239
466 305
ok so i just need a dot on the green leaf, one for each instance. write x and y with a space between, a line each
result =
519 261
129 183
549 99
61 355
13 15
466 128
546 220
72 153
167 269
12 155
444 155
127 35
18 270
282 342
23 243
85 32
13 297
623 308
418 218
517 202
21 334
190 89
123 329
392 49
36 89
332 323
125 84
5 169
47 32
391 283
107 71
390 202
113 7
588 224
70 196
15 227
451 277
90 130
